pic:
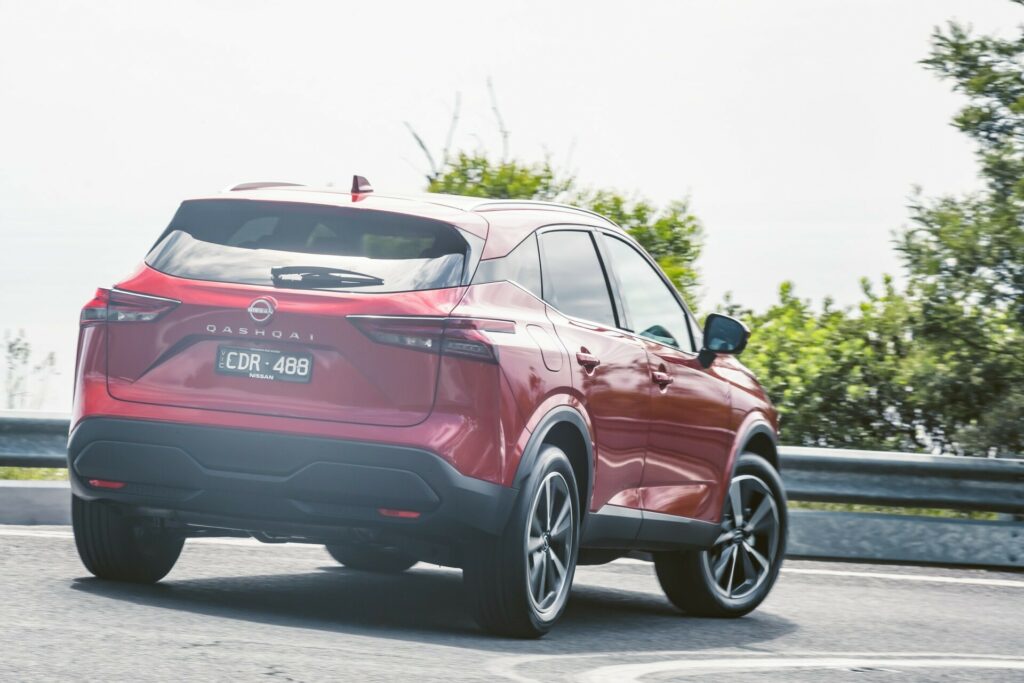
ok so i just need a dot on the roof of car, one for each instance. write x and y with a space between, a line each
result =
502 222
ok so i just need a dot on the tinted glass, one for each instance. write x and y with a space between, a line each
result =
574 281
521 265
651 307
241 241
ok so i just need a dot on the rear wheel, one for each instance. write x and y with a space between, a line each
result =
369 558
519 583
734 576
119 547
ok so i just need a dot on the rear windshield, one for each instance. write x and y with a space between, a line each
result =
243 241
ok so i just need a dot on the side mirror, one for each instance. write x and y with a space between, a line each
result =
722 334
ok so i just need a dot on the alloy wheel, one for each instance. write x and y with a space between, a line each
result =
746 549
549 543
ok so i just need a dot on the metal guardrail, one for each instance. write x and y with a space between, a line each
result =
901 480
33 440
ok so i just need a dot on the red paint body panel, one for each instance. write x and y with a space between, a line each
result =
666 450
170 361
617 397
749 406
691 434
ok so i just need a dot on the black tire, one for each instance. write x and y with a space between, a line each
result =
688 577
369 558
120 548
498 571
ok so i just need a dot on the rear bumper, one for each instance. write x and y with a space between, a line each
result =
280 484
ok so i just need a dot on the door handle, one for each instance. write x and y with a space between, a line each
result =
588 360
662 379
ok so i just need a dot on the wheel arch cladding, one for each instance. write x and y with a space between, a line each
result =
565 428
761 440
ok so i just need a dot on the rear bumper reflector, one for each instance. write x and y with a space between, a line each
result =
400 514
106 484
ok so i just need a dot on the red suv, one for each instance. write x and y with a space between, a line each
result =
508 387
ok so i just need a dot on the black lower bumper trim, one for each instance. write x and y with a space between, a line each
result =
264 481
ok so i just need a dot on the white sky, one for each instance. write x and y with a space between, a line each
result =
797 128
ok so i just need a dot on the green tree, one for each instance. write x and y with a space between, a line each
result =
475 175
671 234
941 365
964 256
836 375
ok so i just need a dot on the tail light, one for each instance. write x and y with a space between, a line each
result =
111 305
468 337
461 337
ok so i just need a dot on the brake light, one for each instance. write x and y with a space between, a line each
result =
125 307
461 337
419 334
468 337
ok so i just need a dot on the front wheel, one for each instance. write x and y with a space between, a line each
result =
736 574
519 583
119 547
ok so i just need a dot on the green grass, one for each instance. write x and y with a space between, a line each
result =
924 512
34 473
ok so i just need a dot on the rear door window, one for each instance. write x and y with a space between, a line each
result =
242 241
574 278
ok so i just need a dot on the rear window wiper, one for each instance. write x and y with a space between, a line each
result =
316 277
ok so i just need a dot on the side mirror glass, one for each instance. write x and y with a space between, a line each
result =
723 334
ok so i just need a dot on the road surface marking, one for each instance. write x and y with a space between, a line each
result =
696 662
970 581
892 576
625 673
34 533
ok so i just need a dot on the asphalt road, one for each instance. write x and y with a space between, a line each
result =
235 609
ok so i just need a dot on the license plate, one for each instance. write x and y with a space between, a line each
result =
265 364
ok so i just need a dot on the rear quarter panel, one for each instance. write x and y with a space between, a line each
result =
534 365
